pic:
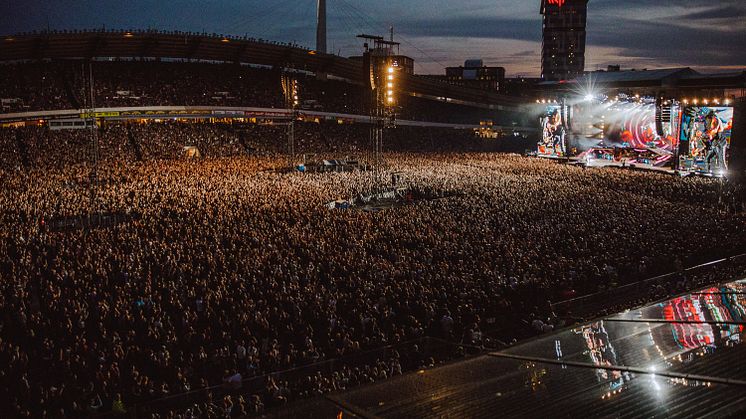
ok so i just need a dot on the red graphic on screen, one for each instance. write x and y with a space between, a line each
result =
559 3
689 336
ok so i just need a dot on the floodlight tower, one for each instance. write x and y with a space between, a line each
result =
381 68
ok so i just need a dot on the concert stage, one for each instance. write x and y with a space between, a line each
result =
645 133
634 164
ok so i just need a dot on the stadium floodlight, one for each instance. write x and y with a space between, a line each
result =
589 97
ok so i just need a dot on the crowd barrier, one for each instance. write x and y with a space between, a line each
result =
439 350
592 305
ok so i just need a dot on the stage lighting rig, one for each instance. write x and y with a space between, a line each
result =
390 77
381 67
295 93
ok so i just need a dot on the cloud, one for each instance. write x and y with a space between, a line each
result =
635 33
476 27
669 42
729 12
630 39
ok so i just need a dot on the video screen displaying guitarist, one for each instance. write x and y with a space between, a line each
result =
708 132
554 132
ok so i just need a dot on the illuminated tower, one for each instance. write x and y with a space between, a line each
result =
563 46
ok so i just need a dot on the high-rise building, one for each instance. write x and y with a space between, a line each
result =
563 47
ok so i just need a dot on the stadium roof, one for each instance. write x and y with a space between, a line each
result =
681 357
683 77
636 76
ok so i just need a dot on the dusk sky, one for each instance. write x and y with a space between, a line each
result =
707 35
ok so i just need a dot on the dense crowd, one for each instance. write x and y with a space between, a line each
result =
227 269
41 148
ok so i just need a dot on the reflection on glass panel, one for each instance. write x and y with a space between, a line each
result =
699 325
688 335
602 353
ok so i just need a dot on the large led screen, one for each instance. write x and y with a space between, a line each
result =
705 137
553 131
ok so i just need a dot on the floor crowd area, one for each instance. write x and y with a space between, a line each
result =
226 268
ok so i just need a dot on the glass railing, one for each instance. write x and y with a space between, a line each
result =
652 289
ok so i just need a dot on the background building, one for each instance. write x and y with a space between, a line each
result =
563 46
521 86
476 75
